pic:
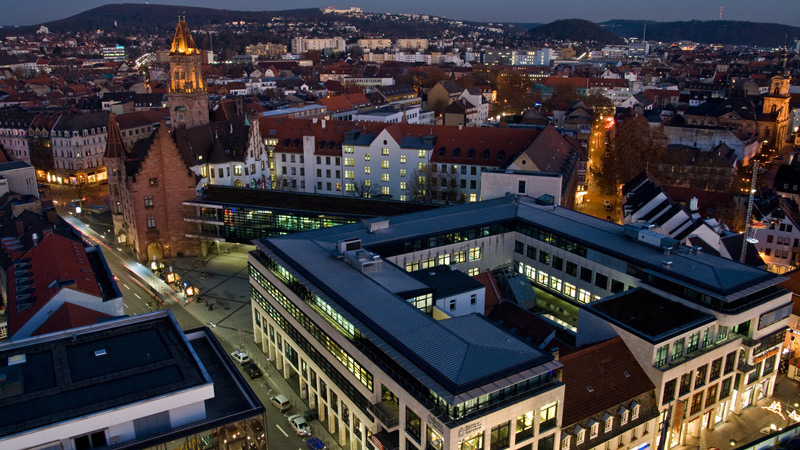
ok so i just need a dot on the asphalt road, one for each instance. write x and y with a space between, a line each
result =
138 299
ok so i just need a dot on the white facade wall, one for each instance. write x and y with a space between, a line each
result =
78 150
462 304
343 433
15 141
391 173
780 237
22 180
118 420
533 184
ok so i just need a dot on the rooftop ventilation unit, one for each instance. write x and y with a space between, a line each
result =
16 359
101 352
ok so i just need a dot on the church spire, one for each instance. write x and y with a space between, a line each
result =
183 44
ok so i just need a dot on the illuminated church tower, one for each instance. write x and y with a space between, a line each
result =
188 98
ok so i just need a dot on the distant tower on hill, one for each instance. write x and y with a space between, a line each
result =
188 98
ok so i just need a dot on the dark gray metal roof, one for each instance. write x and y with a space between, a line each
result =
464 357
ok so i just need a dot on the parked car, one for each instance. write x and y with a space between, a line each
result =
240 356
281 402
252 370
299 425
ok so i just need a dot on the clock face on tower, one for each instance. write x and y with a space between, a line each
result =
180 116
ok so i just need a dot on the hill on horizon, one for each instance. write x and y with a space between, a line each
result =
132 17
726 32
575 30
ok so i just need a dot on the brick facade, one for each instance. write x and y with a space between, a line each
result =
154 198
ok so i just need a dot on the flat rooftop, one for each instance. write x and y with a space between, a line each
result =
312 203
83 371
650 315
405 333
478 352
446 282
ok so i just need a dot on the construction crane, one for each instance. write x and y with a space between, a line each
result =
748 217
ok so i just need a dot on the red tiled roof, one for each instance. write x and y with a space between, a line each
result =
69 316
575 82
115 148
141 118
602 366
493 295
328 140
55 259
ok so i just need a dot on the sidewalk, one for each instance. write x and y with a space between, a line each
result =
224 283
747 427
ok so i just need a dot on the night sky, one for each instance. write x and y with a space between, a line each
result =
29 12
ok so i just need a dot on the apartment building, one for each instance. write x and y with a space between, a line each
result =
413 44
777 229
609 401
78 143
374 44
389 159
301 45
14 127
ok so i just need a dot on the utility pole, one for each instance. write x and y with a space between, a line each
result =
749 212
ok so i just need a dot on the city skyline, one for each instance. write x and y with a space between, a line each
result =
17 12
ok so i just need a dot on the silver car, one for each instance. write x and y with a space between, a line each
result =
299 425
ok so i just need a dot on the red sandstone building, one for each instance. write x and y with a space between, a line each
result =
149 181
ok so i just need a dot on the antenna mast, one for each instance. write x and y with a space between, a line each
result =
749 215
720 13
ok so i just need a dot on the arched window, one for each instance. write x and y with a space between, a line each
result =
238 183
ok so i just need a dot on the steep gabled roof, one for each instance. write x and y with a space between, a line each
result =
600 377
70 316
182 43
41 273
115 148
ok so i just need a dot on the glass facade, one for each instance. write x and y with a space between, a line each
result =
398 373
243 224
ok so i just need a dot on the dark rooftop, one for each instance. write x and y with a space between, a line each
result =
295 201
649 315
63 377
446 282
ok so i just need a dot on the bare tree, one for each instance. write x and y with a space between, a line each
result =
282 183
364 189
429 186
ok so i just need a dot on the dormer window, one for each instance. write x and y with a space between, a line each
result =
565 442
580 435
608 420
623 415
635 407
594 428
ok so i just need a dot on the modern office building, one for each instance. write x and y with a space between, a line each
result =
341 317
231 214
130 383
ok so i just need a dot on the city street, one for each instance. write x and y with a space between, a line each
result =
223 284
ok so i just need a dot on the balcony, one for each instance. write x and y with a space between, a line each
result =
388 413
732 337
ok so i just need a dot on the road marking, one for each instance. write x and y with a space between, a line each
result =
126 286
137 295
281 430
125 304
